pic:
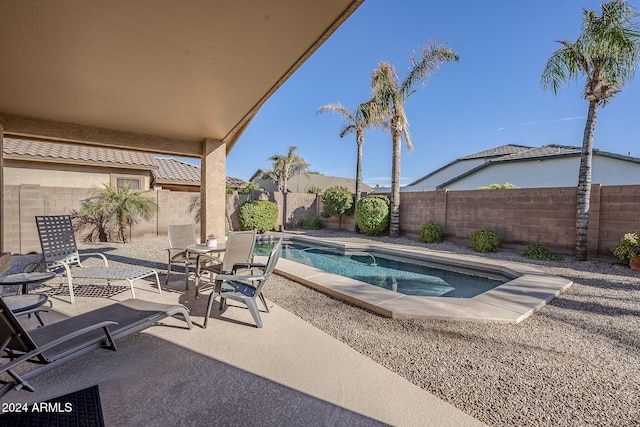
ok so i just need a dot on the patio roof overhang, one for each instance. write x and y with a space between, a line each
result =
170 77
169 72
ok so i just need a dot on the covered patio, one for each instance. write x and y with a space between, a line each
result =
168 77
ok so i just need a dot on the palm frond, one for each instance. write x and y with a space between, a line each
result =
606 52
432 57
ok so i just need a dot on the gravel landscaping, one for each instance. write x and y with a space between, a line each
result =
576 362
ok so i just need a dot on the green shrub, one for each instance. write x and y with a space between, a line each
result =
260 215
627 247
431 232
505 186
484 240
540 252
248 188
337 201
311 223
372 214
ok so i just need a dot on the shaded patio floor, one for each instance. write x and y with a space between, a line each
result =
287 373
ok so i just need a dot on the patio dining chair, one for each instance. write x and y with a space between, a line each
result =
60 255
57 343
180 238
245 289
239 250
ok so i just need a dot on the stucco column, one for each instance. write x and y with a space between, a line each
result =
1 189
213 183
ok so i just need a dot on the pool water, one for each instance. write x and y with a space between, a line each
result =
399 276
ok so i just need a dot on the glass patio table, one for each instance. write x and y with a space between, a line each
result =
201 249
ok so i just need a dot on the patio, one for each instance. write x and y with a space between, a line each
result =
287 373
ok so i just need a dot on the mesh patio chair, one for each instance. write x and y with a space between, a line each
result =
60 255
57 343
180 238
245 289
239 250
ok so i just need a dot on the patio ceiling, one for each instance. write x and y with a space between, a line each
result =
178 70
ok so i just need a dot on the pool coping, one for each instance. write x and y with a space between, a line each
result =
512 302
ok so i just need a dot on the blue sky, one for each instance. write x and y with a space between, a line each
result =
491 97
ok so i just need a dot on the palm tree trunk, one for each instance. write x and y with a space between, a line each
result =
285 176
359 142
584 184
396 135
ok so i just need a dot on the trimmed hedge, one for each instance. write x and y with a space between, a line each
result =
372 214
337 201
260 215
484 240
311 223
431 232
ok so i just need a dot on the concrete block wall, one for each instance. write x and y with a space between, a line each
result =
416 209
519 216
11 219
619 214
173 208
30 203
301 206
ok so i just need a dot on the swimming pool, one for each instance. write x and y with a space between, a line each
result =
527 291
418 278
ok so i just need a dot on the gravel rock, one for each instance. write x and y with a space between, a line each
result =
576 362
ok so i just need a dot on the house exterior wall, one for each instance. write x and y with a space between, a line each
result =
445 174
57 175
525 174
554 172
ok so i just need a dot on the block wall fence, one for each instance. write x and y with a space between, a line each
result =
520 216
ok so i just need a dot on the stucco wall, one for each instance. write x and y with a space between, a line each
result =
16 173
552 172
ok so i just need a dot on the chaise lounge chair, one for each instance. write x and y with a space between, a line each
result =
57 343
60 254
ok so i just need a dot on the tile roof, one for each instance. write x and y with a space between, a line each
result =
502 150
170 169
175 170
551 150
76 153
167 169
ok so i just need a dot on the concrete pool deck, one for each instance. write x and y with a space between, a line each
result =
528 291
286 373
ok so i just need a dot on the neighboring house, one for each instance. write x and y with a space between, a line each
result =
303 183
529 167
54 164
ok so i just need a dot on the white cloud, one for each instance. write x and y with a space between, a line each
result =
564 119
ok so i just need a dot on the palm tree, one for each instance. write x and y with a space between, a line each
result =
121 205
286 165
605 53
355 122
389 96
283 167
